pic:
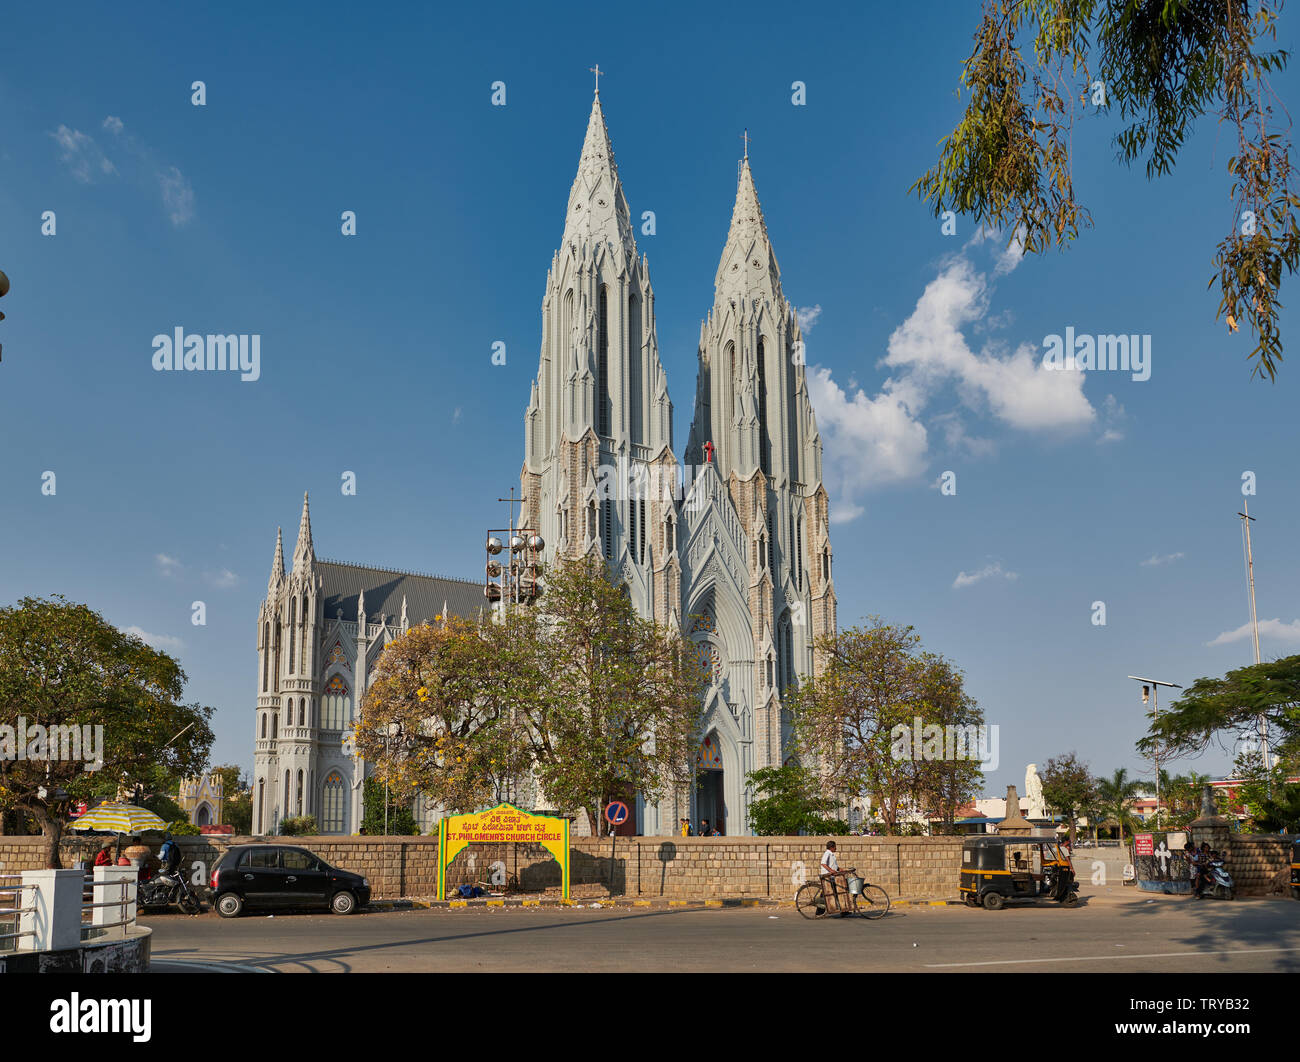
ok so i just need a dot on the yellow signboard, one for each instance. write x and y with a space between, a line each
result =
502 824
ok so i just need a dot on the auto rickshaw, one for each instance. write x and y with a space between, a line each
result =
1295 869
997 869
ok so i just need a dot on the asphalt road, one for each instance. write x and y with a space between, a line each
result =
1105 933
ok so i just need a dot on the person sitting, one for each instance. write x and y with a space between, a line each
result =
104 857
169 855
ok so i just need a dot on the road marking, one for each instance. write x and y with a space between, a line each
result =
1099 958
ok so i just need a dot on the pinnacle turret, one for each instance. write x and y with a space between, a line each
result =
304 554
277 564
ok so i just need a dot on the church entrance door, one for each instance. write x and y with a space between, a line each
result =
709 801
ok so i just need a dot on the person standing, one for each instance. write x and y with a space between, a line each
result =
830 870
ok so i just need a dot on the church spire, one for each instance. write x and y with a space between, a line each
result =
598 211
304 555
748 265
277 564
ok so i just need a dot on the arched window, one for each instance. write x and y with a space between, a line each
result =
607 526
785 646
591 520
261 803
669 544
302 711
275 725
634 363
826 564
293 627
335 704
331 804
266 653
284 808
798 551
298 801
729 383
602 365
770 676
263 725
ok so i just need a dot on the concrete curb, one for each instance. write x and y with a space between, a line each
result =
485 901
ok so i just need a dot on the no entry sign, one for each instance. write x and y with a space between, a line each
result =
616 813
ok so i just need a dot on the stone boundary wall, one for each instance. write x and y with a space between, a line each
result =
634 867
1255 861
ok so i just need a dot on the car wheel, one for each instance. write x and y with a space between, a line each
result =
343 903
993 901
230 906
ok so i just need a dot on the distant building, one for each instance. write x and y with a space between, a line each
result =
202 799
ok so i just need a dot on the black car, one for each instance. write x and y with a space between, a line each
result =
278 876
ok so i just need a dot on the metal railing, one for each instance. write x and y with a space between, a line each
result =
11 905
124 902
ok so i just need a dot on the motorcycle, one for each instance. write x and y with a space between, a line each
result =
166 888
1218 882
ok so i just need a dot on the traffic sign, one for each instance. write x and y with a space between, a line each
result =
616 813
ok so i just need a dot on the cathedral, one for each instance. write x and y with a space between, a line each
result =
730 545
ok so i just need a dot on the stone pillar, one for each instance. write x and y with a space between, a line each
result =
54 920
1014 824
119 879
1210 826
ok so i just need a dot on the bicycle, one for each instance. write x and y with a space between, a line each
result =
868 901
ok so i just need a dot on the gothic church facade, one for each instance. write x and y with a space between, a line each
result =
733 546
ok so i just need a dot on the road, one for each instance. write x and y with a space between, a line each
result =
1123 933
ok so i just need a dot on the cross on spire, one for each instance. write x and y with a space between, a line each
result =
745 137
597 71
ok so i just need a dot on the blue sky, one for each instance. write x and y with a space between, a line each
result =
376 349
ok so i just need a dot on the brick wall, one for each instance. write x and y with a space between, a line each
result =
1256 860
646 867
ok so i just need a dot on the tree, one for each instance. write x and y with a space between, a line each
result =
400 821
237 798
72 680
1162 64
857 719
790 803
622 695
1115 796
1068 788
442 716
1231 706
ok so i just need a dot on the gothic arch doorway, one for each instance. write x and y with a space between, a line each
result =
710 789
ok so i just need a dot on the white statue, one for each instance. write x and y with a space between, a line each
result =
1034 793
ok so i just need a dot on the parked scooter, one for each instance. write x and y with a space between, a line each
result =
1218 882
166 888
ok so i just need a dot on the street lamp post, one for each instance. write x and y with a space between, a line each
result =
1151 690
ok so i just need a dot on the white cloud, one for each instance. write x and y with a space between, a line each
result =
931 351
167 566
868 441
223 579
989 571
82 155
113 125
455 417
1286 633
177 195
808 317
1156 559
161 642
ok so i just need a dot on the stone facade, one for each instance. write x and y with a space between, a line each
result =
733 548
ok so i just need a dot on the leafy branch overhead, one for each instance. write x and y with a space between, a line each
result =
1162 65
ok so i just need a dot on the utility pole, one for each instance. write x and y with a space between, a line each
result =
1151 690
1261 723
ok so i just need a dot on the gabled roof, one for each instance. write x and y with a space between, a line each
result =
385 588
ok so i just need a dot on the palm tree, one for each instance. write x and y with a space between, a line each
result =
1115 795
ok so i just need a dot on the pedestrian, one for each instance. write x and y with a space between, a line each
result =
704 828
830 870
685 828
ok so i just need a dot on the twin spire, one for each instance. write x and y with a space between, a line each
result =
304 554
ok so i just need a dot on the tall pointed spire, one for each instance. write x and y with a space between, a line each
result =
598 210
277 565
748 264
304 555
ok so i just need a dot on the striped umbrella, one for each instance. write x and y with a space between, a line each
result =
112 817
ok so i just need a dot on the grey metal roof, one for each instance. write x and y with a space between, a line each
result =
384 588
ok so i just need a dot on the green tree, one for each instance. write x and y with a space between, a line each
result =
856 719
400 822
1213 708
1115 796
621 698
1068 788
237 799
1161 66
788 801
62 666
